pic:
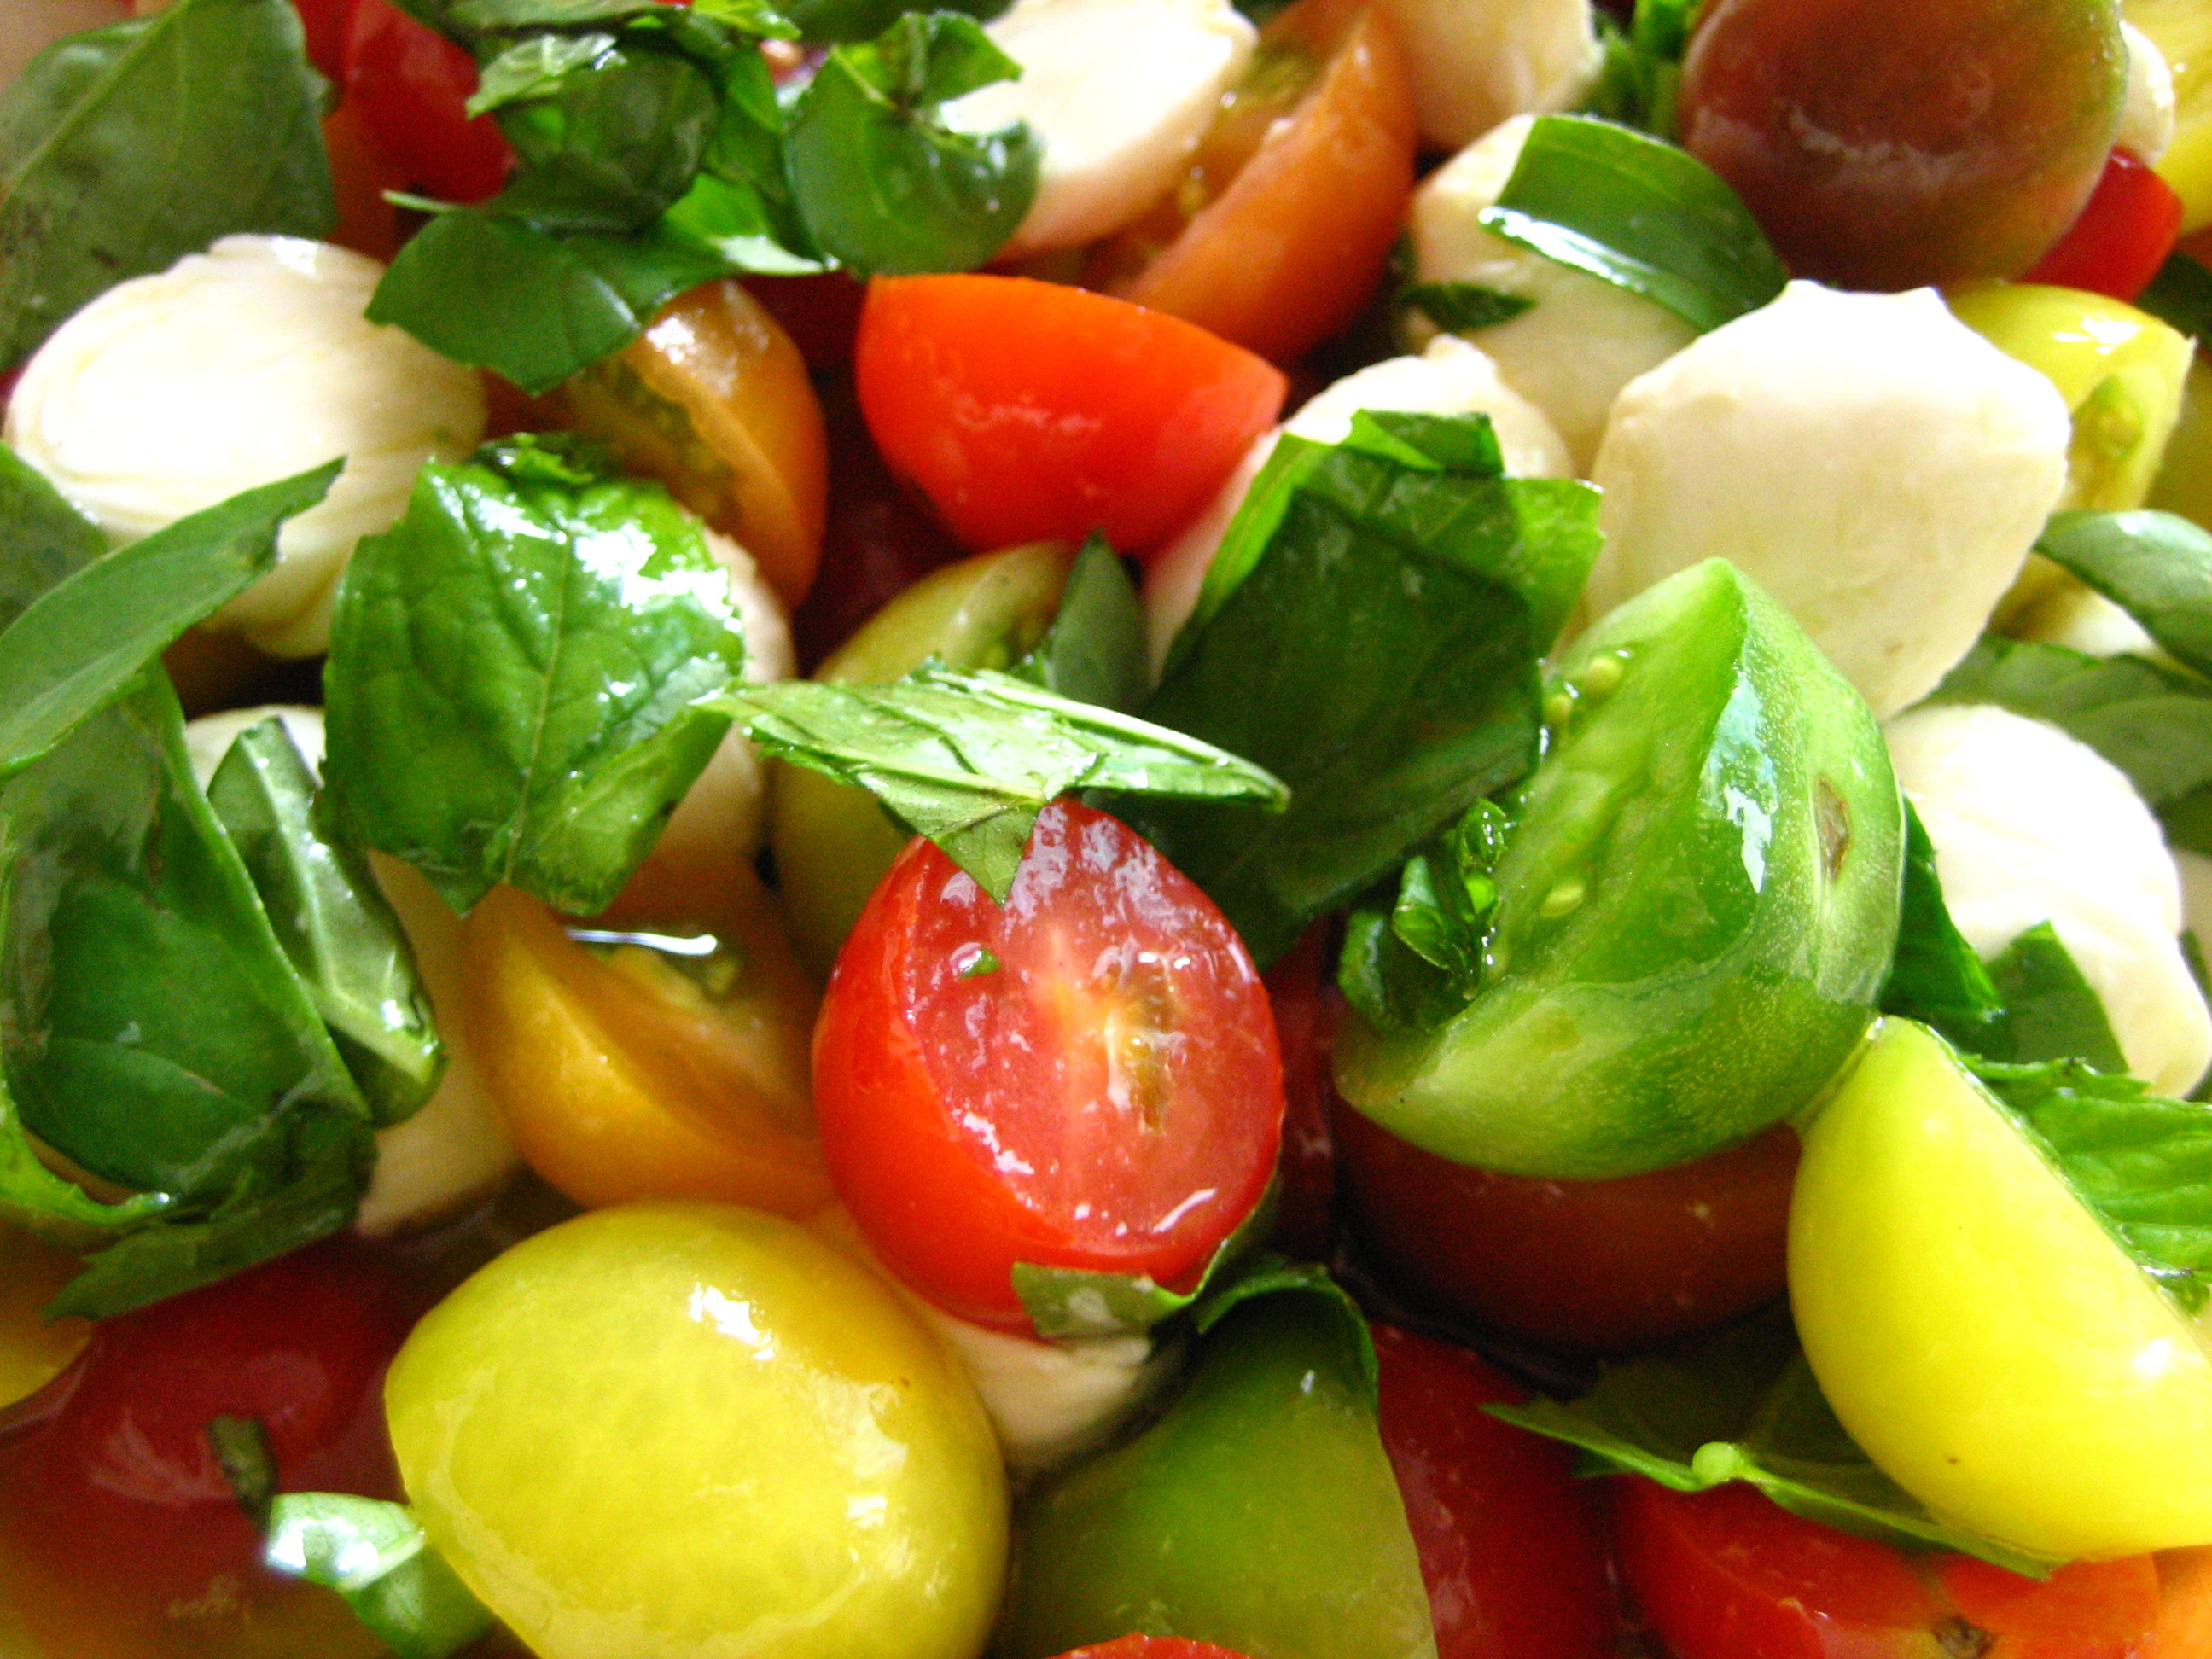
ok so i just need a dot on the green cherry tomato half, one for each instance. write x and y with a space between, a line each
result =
666 1429
1260 1513
1978 1330
1696 910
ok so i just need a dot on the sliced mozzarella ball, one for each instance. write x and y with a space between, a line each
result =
2031 826
1876 465
1581 340
1049 1401
1120 92
454 1149
29 27
1477 62
2195 894
237 368
1450 378
2146 117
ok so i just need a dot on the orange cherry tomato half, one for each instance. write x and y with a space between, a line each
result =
1028 411
1282 229
1087 1078
2122 237
1576 1266
1509 1548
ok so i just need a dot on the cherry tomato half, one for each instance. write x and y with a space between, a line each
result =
2122 237
1307 1010
411 85
1508 1550
1087 1078
327 23
1028 411
1151 1647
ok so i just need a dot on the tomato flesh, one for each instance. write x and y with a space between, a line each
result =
1108 1097
1508 1550
1027 411
2123 235
412 85
1151 1647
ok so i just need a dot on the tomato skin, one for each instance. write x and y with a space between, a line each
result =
2123 235
1508 1552
1028 411
1307 1010
327 23
1151 1647
2085 1610
1576 1266
1108 1098
412 84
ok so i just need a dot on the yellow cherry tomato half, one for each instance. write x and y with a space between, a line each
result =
33 1351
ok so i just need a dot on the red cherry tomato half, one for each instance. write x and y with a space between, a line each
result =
1307 1010
412 85
327 23
1576 1266
1028 411
1085 1078
1151 1647
2122 237
1508 1550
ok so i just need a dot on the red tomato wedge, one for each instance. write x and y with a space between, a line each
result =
2123 235
1151 1647
1086 1079
2085 1610
1027 411
412 85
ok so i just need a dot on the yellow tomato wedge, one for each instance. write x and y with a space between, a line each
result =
2182 30
33 1351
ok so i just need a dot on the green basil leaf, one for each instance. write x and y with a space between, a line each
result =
2155 566
43 539
840 21
884 184
1640 214
1370 633
1068 1302
1463 307
1275 1275
1094 652
124 148
519 679
970 760
376 1555
1936 978
2141 1162
2181 296
332 921
82 641
2051 1012
534 67
1743 1406
610 145
1640 72
1393 988
240 1445
1446 893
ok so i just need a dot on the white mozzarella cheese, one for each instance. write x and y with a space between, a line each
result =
237 368
2147 117
1476 62
2031 826
1119 92
1876 465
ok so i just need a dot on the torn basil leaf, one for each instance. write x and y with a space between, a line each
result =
1744 1405
1095 650
376 1555
1275 1275
333 921
970 760
1462 307
1639 74
1064 1303
883 183
82 640
2049 1011
2155 566
126 148
1936 978
43 539
521 675
836 20
241 1448
2180 295
1369 632
1640 214
1414 953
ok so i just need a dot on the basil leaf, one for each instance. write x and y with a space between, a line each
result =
376 1555
1640 71
126 148
518 677
332 919
884 184
2051 1012
1068 1302
43 539
1094 652
1394 989
610 143
1640 214
970 760
2155 566
2180 294
835 21
534 67
1446 895
1744 1405
1369 633
2141 1162
1275 1275
1936 978
76 646
241 1448
1463 307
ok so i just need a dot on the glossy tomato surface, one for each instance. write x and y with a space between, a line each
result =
1087 1078
2123 235
1509 1549
1151 1647
1027 411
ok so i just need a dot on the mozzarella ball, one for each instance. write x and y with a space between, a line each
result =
455 1150
1874 463
1119 92
1450 378
1581 341
1476 62
2031 826
2082 619
2146 117
237 368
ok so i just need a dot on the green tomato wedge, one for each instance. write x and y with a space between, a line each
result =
1695 912
664 1431
1260 1513
832 842
1982 1336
